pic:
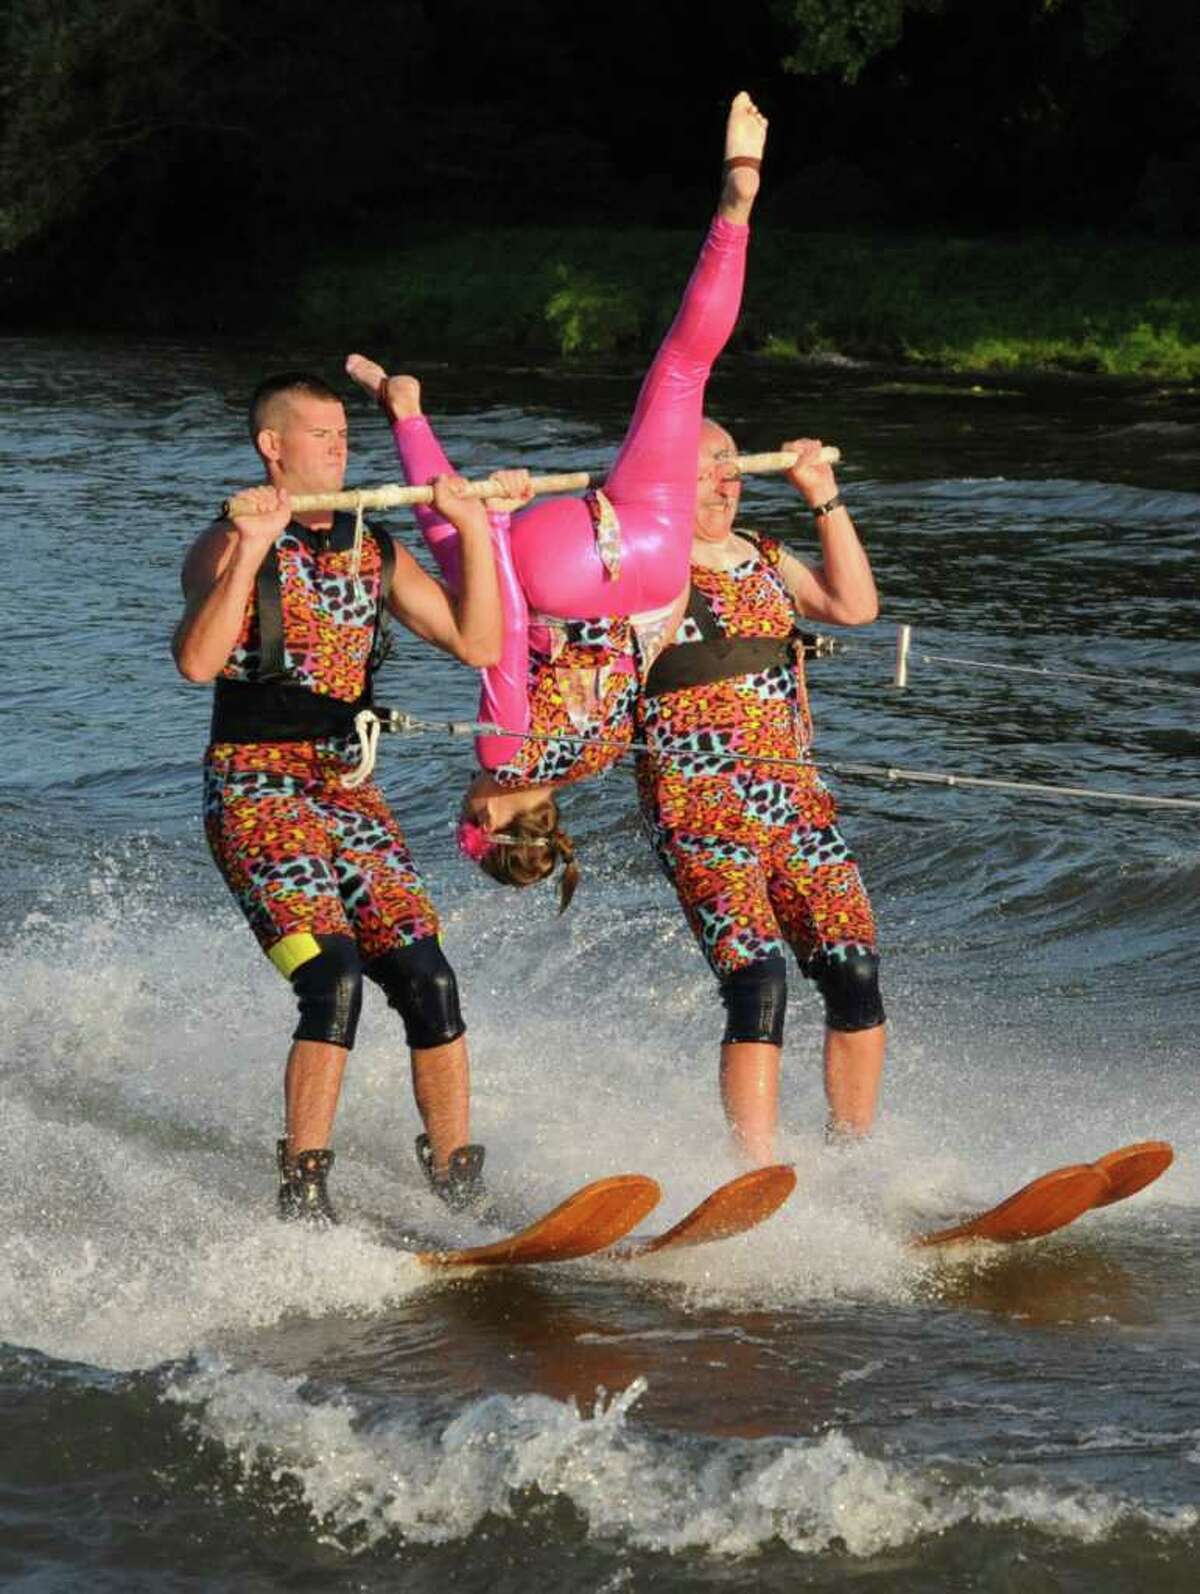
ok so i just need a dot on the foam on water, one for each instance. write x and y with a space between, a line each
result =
124 1255
370 1474
142 1057
140 1218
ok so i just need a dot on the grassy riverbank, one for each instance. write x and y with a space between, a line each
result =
1117 308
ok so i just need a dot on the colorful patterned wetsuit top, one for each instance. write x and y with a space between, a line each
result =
583 680
575 677
329 612
581 599
752 848
303 855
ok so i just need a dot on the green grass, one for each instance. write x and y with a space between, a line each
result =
979 304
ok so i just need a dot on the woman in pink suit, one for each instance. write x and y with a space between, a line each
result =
591 587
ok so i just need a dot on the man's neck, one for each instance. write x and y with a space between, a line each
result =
731 550
311 519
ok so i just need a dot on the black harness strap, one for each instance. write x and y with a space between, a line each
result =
718 656
699 611
382 645
699 664
273 711
268 599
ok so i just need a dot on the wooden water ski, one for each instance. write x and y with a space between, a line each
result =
1131 1168
1061 1196
732 1209
1038 1208
590 1220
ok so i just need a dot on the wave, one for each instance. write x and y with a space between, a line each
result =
373 1474
1097 503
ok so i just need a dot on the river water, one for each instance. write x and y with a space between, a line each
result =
194 1398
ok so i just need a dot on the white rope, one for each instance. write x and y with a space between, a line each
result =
910 655
398 721
1138 683
367 726
356 556
937 777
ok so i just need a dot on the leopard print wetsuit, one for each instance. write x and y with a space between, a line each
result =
583 680
752 849
303 855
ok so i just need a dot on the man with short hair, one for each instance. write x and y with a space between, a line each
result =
751 845
286 613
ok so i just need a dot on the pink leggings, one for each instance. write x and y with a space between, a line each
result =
546 555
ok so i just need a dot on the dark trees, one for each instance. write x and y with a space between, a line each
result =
193 136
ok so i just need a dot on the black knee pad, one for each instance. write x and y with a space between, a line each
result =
420 984
850 986
755 1000
329 990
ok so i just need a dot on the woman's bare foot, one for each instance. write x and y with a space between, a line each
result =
400 396
745 140
367 373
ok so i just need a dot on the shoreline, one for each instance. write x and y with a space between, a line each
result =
988 306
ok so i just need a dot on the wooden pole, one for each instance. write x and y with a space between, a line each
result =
764 464
395 496
392 495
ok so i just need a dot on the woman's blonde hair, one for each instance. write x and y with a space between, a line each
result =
531 846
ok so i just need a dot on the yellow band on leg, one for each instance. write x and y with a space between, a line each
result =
293 952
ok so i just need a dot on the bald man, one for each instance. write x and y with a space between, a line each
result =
752 846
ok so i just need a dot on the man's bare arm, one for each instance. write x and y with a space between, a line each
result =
841 589
218 575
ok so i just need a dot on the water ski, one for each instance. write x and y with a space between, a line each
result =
735 1207
1131 1168
591 1219
1061 1196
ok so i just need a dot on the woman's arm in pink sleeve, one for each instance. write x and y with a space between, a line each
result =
422 458
504 693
